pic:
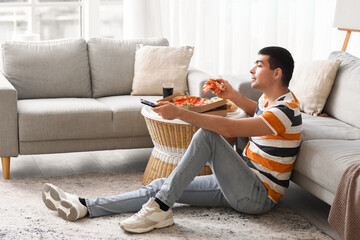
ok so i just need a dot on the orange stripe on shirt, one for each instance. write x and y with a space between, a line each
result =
290 136
274 195
274 121
293 104
269 164
296 100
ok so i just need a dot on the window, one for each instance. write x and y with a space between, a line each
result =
40 19
54 19
111 18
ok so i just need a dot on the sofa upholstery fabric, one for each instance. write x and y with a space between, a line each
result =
63 118
344 97
8 119
324 160
49 69
112 64
327 128
77 145
126 112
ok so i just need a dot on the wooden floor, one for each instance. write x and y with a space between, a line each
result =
51 165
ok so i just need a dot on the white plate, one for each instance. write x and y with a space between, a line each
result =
215 99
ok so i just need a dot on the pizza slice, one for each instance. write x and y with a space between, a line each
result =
190 101
213 84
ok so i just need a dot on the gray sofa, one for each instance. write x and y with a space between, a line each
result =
71 95
329 144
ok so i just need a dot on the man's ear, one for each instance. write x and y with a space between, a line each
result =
278 73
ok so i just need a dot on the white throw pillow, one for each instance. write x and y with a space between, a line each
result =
312 82
157 65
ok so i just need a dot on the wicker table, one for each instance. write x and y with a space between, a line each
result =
171 138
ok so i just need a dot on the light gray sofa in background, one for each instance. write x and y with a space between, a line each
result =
71 95
329 144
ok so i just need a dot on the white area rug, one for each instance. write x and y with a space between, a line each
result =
24 216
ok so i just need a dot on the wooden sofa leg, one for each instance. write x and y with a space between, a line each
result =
6 167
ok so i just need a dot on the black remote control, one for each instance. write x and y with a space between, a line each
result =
151 104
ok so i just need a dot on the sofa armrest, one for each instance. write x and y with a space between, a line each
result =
8 119
196 80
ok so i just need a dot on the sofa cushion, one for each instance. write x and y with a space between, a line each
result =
343 101
311 84
63 119
327 128
127 118
324 161
157 65
112 64
48 69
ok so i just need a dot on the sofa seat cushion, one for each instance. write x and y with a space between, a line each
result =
49 69
327 128
63 119
127 118
324 161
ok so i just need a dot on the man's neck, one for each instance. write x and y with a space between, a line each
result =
275 94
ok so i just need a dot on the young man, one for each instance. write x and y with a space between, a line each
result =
252 183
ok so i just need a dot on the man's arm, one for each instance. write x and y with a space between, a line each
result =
246 104
245 127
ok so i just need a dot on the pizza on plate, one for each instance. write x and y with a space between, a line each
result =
190 101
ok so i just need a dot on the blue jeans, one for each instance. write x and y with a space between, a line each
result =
232 184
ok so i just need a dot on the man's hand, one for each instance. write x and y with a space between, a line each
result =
228 93
167 110
249 106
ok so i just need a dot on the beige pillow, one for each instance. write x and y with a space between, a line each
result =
312 83
157 65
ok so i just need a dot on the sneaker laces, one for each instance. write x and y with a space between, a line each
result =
144 210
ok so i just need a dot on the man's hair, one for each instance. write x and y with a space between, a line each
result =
280 58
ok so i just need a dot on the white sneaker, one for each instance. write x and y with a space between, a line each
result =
148 218
67 205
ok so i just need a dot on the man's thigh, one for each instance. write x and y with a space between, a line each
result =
238 182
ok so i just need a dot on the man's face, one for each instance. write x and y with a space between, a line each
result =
261 75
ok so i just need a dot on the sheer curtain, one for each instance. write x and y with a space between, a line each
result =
227 34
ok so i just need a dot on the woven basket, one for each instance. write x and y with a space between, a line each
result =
170 134
170 143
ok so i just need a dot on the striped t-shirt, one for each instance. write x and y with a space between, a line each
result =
272 157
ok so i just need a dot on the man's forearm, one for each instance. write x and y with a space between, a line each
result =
246 104
193 118
205 121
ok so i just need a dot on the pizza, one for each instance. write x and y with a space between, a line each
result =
190 101
213 84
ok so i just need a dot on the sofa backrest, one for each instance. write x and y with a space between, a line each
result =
48 69
112 64
344 98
